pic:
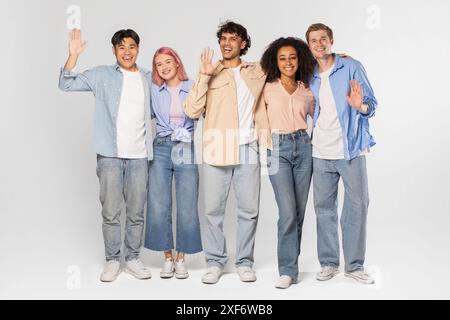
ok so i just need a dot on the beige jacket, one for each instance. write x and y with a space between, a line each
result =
215 98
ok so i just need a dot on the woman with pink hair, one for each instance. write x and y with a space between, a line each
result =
174 156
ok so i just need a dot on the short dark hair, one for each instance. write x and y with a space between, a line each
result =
306 61
235 28
317 27
125 33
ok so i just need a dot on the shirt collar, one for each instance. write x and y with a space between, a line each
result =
338 64
184 86
142 70
244 64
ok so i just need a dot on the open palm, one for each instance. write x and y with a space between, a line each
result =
76 45
206 66
356 95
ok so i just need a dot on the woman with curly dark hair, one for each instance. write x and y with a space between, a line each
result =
288 101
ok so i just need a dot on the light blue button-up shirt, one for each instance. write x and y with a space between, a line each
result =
106 84
161 101
354 124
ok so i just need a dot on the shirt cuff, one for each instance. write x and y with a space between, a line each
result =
203 78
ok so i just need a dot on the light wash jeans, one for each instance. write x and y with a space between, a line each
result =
354 213
122 180
290 171
246 178
173 158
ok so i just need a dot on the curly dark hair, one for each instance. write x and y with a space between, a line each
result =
306 61
235 28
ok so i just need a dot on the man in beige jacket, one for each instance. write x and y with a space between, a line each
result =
227 95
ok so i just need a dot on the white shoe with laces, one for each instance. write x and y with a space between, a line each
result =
361 276
212 275
111 271
137 269
284 282
246 274
168 269
327 273
181 270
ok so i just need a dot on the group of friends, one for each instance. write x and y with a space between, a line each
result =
246 108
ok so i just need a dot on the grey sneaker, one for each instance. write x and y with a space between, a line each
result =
167 269
361 276
327 273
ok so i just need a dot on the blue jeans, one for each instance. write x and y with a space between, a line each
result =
122 180
290 171
354 213
246 179
173 158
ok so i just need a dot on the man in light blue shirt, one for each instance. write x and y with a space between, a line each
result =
123 142
344 103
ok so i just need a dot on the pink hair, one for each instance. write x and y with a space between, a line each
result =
181 74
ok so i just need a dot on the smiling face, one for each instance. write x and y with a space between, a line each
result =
287 61
231 45
166 66
320 44
126 54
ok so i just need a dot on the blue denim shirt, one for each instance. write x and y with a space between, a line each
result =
354 124
106 84
161 101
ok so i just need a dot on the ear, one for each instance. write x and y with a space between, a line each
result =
113 50
243 44
332 41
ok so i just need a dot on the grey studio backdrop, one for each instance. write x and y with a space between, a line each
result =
50 230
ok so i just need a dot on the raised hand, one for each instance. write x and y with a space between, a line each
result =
76 45
356 95
206 66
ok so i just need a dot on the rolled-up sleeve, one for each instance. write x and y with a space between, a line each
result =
369 97
73 81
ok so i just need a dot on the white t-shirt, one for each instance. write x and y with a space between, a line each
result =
327 139
245 101
131 118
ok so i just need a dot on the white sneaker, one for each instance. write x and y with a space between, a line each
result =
212 275
284 282
327 273
167 269
246 274
181 270
361 276
137 269
111 271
